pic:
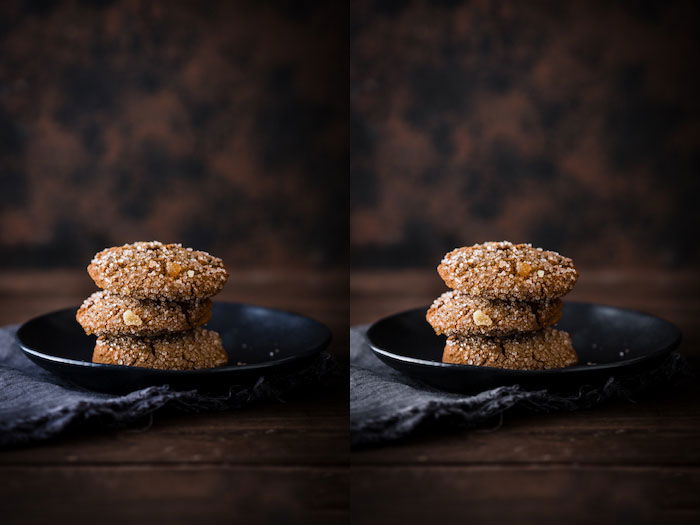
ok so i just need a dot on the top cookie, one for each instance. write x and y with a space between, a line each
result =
503 270
153 270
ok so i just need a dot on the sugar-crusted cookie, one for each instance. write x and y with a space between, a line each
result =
455 313
153 270
503 270
198 348
106 313
548 348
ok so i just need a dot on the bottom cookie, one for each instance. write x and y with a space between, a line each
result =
548 348
198 348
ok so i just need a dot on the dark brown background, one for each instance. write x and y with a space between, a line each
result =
572 125
222 125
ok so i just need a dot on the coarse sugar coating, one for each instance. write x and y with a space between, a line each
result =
153 270
456 313
106 313
548 348
198 348
503 270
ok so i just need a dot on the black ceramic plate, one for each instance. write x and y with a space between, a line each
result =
262 340
609 341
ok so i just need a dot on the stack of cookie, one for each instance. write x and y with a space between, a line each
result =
504 301
155 298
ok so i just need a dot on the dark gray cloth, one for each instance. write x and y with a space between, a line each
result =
386 406
36 405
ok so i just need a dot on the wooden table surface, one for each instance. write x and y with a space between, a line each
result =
273 462
621 462
288 461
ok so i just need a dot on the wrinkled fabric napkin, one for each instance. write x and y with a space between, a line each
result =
386 405
36 405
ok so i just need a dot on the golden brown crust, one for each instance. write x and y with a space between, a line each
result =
106 313
548 348
153 270
198 348
506 271
455 313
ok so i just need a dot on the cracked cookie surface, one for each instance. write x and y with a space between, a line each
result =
153 270
106 313
548 348
455 313
507 271
198 348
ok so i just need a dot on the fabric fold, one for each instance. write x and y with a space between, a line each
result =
36 405
386 406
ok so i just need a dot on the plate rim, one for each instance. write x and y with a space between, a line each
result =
526 373
228 368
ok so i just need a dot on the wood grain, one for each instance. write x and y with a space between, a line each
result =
175 494
256 435
650 432
618 463
535 494
271 462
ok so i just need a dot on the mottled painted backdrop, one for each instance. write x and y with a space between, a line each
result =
571 124
222 125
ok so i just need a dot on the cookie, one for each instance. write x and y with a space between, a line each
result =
153 270
106 313
198 348
455 313
507 271
548 348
